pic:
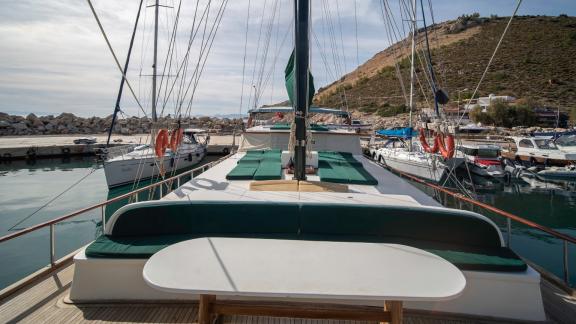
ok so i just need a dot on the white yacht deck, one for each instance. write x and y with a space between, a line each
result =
391 190
44 301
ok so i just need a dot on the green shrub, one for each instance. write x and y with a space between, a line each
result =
478 116
390 111
573 116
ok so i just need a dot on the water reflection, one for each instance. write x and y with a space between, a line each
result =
552 204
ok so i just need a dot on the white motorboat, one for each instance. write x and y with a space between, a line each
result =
566 143
536 150
482 159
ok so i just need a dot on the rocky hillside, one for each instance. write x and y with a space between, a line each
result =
537 60
67 123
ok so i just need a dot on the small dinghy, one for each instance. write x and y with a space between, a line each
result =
567 173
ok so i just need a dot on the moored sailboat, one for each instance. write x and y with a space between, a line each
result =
307 185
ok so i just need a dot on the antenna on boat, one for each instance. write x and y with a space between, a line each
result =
301 85
411 102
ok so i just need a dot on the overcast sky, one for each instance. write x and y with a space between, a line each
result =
53 58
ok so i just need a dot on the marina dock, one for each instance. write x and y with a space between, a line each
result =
46 146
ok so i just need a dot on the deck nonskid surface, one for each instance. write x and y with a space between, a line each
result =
391 190
44 303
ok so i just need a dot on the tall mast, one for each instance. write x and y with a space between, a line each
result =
411 101
119 97
301 68
154 116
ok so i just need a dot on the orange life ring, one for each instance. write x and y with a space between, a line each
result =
425 145
161 143
446 147
176 139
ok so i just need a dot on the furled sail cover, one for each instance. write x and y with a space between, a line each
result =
289 77
406 132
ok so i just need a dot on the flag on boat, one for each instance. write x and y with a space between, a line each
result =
289 77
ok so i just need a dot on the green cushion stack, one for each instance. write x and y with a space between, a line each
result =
258 165
342 167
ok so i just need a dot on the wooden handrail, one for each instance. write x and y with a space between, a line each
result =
493 209
104 203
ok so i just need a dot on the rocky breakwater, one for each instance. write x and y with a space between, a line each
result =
67 123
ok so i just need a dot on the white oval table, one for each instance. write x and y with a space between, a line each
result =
295 269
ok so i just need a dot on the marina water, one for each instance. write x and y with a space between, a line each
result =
27 189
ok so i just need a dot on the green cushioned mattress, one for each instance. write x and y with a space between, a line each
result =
342 167
502 259
258 165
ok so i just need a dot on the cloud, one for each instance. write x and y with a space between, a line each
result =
54 59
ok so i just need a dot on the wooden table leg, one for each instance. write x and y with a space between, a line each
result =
205 309
396 311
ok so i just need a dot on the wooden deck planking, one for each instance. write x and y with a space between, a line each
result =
43 303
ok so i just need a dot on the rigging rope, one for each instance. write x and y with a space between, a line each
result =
244 59
493 55
114 55
53 199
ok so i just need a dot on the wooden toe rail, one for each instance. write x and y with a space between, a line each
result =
210 308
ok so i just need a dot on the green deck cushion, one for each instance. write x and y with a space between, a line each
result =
469 242
242 172
258 165
314 127
342 167
280 126
207 217
435 225
501 259
268 173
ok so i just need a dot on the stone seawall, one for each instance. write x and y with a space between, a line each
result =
67 123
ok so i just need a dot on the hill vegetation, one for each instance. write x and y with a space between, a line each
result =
536 62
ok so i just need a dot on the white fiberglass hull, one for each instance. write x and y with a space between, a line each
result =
413 163
417 168
129 168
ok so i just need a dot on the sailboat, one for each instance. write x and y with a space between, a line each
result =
168 151
401 153
274 174
143 162
309 186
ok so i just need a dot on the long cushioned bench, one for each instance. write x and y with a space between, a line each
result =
465 239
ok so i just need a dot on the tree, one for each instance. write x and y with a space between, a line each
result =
573 116
478 116
525 115
501 114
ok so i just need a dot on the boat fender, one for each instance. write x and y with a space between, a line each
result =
161 142
446 147
425 145
176 139
31 153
